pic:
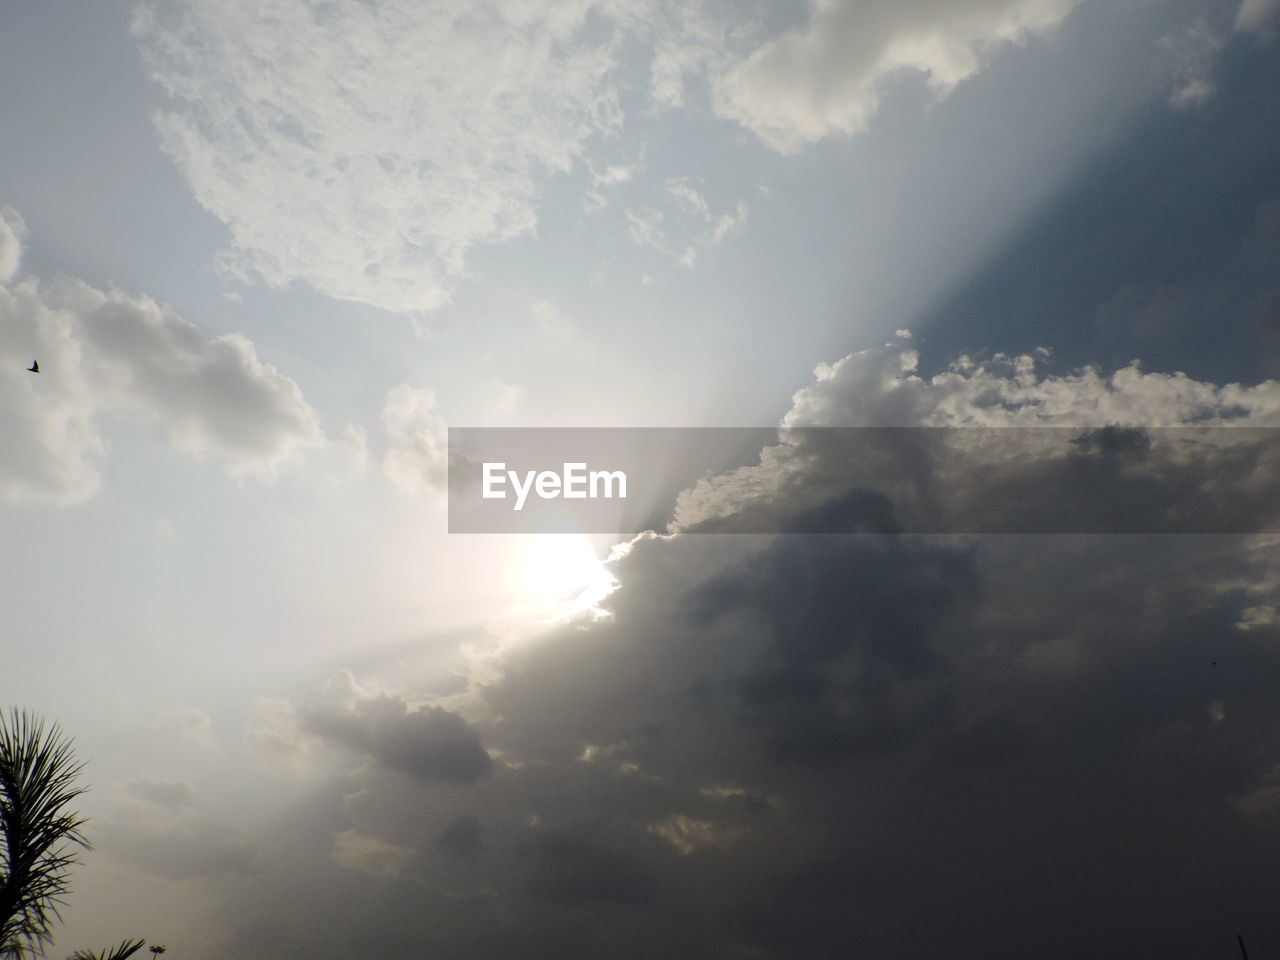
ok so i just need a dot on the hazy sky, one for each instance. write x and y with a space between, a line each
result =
266 251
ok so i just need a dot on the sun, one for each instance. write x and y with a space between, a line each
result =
561 572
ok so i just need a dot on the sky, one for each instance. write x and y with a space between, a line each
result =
266 254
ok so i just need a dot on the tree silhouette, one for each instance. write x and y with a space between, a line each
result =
40 835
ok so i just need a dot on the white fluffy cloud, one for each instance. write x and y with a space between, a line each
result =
366 148
882 388
825 78
107 353
48 419
802 477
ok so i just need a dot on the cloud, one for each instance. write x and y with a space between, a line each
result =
924 713
645 227
109 354
882 387
347 719
688 40
49 420
1260 617
159 827
461 838
1256 15
801 704
683 222
729 222
764 730
429 743
1193 54
417 456
570 868
408 136
1262 805
689 196
686 834
508 397
273 729
213 396
613 174
921 714
163 792
13 231
366 149
369 854
795 724
826 78
196 727
552 323
604 180
1114 472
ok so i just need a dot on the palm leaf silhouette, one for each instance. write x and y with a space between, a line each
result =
38 831
126 949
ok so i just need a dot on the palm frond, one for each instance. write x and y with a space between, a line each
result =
126 949
39 833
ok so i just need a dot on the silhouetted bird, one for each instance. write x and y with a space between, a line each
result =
35 367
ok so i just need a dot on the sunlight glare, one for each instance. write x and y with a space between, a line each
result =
561 575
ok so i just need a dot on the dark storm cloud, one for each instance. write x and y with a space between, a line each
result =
893 745
1022 741
461 838
570 867
1064 742
852 663
1080 791
430 743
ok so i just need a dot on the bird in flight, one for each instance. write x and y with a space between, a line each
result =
35 367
